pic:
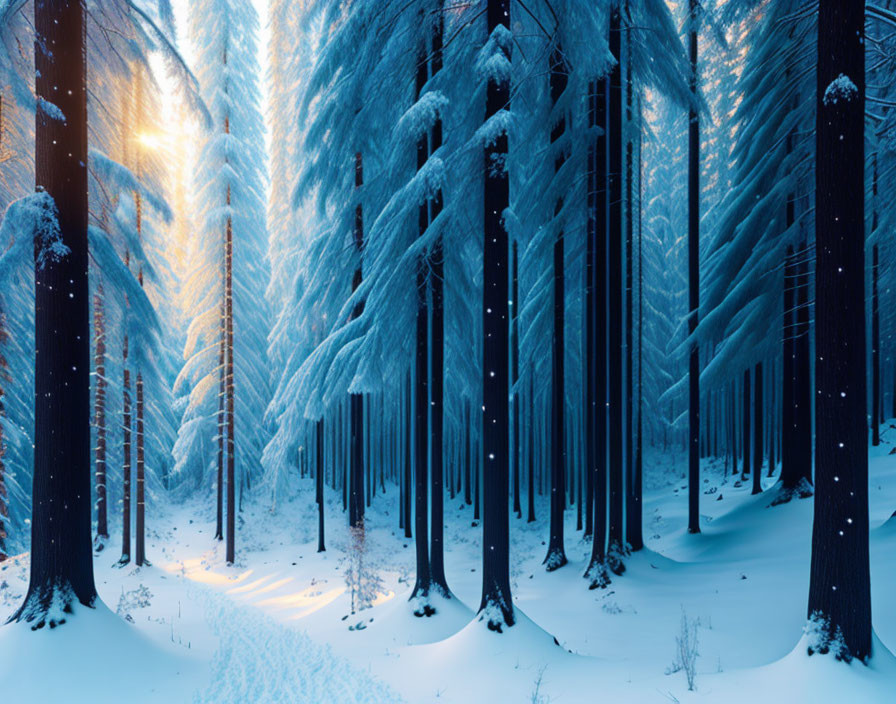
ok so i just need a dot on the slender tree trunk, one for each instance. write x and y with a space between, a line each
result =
758 412
126 449
515 377
99 416
229 387
437 354
616 537
407 457
840 582
746 421
61 555
530 494
421 382
4 494
875 353
319 482
597 365
636 532
356 401
556 555
694 279
140 518
496 604
629 283
222 426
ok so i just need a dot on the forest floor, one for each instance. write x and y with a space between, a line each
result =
276 626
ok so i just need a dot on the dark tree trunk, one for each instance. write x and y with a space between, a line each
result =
875 353
758 412
556 555
437 355
356 401
99 416
802 411
629 283
61 555
693 279
468 457
597 363
840 583
421 383
229 387
496 603
222 428
126 450
789 478
515 377
140 519
319 482
408 435
530 496
635 530
746 421
4 494
616 537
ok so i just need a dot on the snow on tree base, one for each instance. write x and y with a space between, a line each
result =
803 490
48 606
554 560
823 639
597 576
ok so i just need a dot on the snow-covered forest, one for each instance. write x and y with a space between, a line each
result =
447 350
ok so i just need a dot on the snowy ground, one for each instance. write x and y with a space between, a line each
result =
275 627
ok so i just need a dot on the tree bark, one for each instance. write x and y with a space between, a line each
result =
61 555
693 279
758 412
616 537
99 416
597 363
556 555
496 605
840 583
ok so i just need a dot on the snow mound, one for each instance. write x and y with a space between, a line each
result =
94 657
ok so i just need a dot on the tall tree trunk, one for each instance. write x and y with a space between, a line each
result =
628 403
616 537
4 494
319 482
61 556
530 494
126 450
747 438
556 555
139 523
496 604
840 582
437 354
875 353
515 376
229 385
99 416
221 423
421 380
758 412
356 402
635 528
596 574
693 278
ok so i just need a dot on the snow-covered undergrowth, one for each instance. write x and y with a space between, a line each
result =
277 626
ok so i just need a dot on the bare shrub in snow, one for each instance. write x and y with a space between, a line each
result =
537 696
361 573
686 650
